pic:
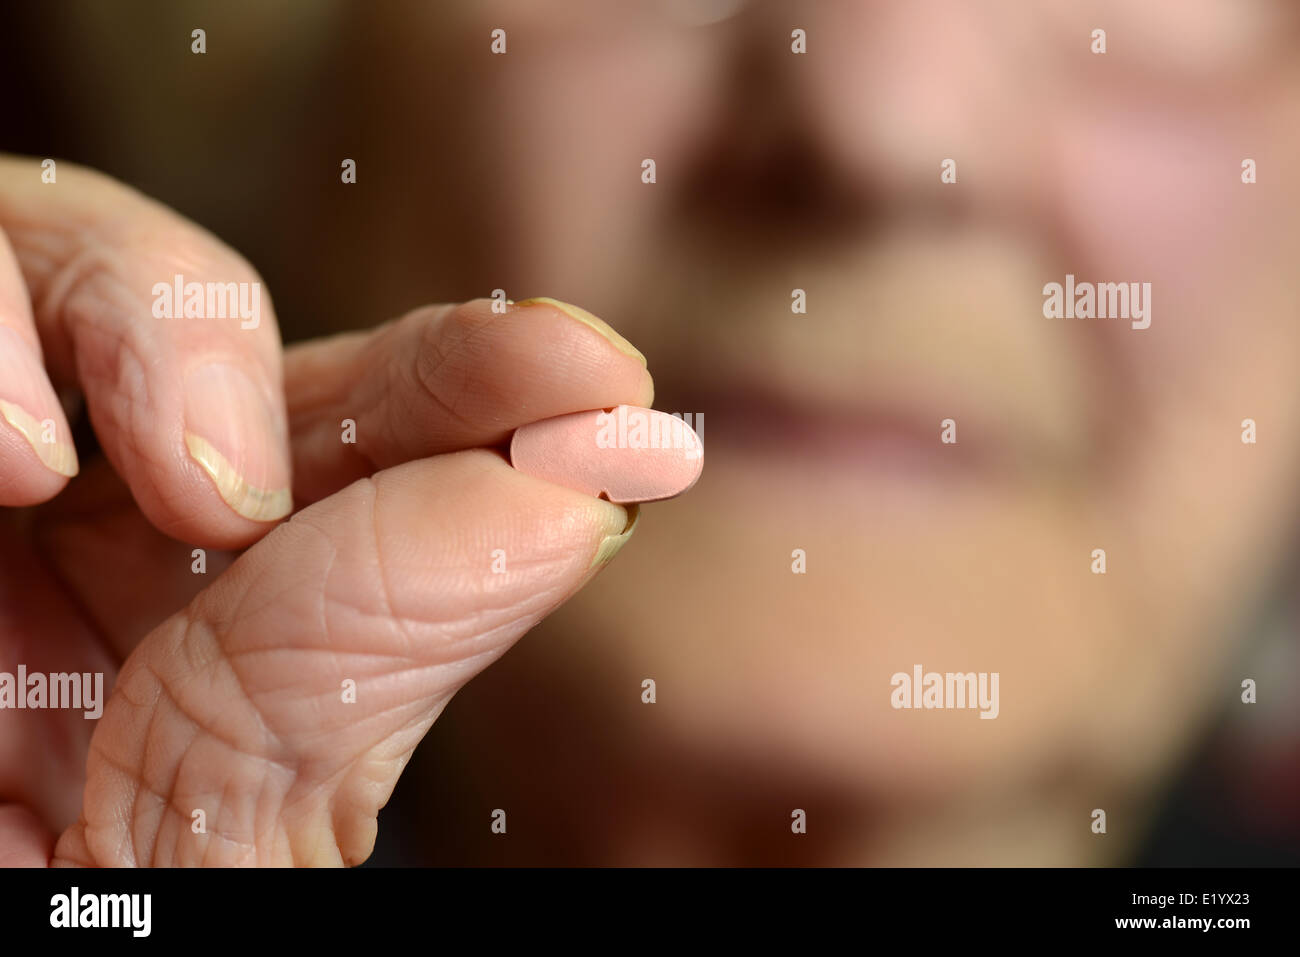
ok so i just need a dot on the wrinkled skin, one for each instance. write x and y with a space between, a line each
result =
228 687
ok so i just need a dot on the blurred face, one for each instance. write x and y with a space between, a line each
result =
821 172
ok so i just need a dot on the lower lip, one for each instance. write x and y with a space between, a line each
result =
883 444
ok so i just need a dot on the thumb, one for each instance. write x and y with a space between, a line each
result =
285 701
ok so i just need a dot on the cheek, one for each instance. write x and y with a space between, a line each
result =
1155 195
578 119
1149 197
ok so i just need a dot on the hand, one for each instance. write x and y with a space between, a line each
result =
414 558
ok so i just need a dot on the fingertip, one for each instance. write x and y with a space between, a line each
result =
234 432
219 476
591 321
37 453
623 521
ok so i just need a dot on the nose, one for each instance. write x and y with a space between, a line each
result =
863 121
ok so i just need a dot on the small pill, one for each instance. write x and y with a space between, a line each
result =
626 454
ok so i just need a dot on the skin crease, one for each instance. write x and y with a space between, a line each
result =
924 302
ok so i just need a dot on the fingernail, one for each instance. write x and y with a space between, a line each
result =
234 435
586 318
56 454
611 544
29 404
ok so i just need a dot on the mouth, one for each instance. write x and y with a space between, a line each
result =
878 434
758 421
903 374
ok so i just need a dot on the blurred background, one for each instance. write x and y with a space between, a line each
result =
819 171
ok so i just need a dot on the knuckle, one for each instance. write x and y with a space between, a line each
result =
440 375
